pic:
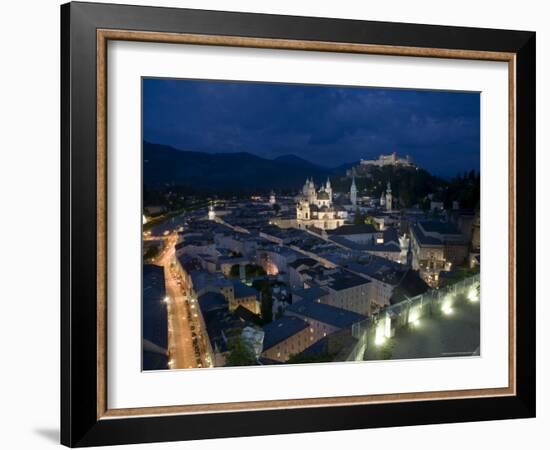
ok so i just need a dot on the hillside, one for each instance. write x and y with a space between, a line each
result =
187 172
228 172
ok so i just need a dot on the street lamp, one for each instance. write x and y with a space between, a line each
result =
447 309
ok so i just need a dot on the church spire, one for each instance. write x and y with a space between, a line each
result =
389 198
353 192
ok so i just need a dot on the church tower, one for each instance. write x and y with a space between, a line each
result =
272 199
211 212
328 189
305 188
389 199
311 194
353 192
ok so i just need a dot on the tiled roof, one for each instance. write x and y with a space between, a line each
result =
353 229
211 300
242 290
338 317
346 280
282 329
313 293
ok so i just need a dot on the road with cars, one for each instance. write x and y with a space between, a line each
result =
186 340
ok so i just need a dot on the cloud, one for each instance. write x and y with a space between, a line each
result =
327 125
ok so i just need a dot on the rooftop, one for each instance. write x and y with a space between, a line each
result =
242 290
382 269
432 226
189 263
245 314
353 229
410 285
340 318
313 293
155 323
282 329
387 246
334 347
437 233
211 300
202 279
346 280
310 262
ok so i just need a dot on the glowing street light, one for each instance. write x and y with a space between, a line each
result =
414 316
380 337
447 309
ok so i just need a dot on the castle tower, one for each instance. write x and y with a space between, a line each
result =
404 247
211 212
353 192
389 199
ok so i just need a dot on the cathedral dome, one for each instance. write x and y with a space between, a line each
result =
323 196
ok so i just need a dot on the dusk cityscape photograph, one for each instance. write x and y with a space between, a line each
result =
297 224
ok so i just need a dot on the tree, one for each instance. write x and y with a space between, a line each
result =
459 274
240 354
267 305
369 220
266 299
234 272
425 204
359 218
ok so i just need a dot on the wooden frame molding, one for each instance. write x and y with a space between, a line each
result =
103 36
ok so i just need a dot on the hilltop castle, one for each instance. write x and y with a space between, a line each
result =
383 160
388 160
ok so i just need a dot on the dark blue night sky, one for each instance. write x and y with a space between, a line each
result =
326 125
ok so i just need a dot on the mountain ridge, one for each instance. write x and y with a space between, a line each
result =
231 172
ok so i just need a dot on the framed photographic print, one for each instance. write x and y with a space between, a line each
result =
276 224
